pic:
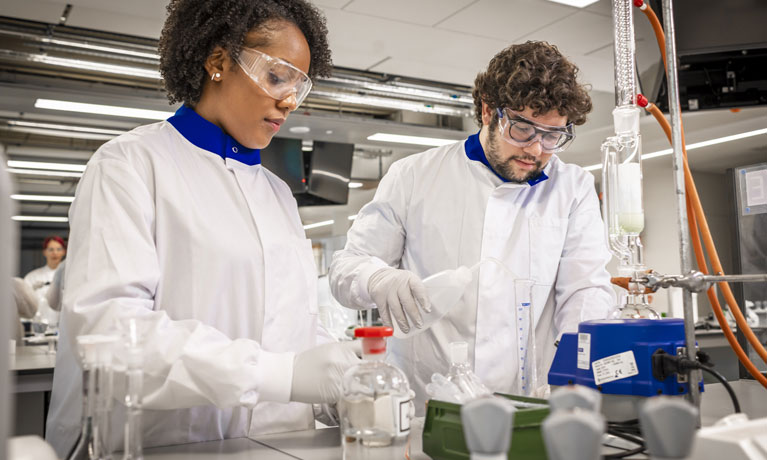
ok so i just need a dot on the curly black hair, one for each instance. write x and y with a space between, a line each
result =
195 27
532 74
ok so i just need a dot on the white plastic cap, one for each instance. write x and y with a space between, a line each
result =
626 120
96 349
459 352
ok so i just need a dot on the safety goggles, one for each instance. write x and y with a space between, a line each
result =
279 79
521 132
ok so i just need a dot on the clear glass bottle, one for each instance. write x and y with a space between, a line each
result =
462 376
376 406
96 357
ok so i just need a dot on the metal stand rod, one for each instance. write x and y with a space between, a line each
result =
736 278
678 161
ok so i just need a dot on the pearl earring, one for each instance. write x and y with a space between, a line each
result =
215 75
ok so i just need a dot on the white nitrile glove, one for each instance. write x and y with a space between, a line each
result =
399 295
318 372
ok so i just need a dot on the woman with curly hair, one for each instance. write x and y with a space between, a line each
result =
503 193
177 224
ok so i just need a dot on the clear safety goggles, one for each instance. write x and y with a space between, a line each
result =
521 132
279 79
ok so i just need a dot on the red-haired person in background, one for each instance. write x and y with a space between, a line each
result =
40 279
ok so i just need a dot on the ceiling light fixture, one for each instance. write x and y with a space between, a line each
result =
324 223
59 130
575 3
45 198
417 140
127 112
697 145
46 165
390 103
39 219
80 64
299 129
352 217
355 184
37 172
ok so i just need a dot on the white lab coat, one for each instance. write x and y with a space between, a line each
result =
213 250
439 210
40 279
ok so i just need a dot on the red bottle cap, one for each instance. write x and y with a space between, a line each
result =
373 341
638 3
642 101
374 331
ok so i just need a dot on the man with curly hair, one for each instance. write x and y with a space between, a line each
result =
178 227
501 194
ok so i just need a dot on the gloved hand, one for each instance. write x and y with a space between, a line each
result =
399 295
318 372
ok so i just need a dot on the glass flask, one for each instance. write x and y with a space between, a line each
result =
376 406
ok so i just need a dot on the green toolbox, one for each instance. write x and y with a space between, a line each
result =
443 432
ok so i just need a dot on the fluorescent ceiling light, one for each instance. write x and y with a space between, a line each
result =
59 130
96 66
94 47
390 103
355 184
127 112
47 198
697 145
39 219
352 217
398 138
79 129
324 223
575 3
37 172
45 165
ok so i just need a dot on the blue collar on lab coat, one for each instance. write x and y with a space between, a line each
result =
210 137
475 152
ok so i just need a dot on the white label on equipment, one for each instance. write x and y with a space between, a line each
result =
584 350
615 367
756 187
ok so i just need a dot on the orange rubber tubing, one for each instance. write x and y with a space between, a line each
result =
692 210
695 215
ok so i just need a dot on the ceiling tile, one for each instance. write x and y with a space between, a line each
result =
506 20
423 12
331 3
155 9
115 21
359 41
34 10
592 31
603 7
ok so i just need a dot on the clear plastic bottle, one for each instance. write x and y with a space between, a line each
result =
444 289
376 406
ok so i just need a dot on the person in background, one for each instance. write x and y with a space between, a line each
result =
40 279
178 224
503 193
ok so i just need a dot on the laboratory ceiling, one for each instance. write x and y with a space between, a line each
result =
441 41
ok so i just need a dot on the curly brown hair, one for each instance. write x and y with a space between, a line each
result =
195 27
536 75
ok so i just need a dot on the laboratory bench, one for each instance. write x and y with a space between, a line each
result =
325 444
32 370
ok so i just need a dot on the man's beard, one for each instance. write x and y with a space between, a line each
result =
504 169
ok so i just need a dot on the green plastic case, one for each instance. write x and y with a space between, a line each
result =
443 432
